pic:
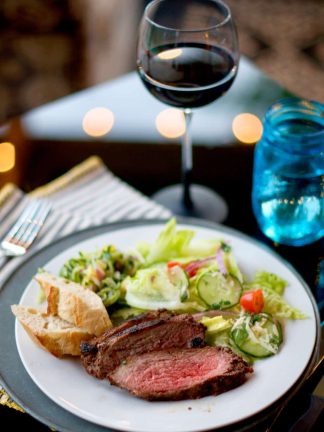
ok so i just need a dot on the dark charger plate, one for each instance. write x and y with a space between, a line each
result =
16 381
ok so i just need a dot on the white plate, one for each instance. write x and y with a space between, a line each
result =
68 385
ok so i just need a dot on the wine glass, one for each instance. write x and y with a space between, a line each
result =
188 57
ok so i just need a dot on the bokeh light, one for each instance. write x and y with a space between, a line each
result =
247 128
7 156
98 122
170 123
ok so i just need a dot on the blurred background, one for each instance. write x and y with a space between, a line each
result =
51 48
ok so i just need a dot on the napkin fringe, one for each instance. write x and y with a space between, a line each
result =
71 176
6 192
7 401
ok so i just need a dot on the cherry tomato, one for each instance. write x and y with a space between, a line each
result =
252 301
172 264
191 269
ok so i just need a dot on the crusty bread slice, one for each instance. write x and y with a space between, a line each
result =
75 304
51 332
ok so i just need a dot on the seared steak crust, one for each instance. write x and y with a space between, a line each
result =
151 332
89 348
181 373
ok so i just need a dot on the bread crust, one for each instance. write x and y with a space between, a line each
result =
75 304
74 315
50 332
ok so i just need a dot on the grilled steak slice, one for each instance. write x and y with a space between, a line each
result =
89 348
181 373
100 356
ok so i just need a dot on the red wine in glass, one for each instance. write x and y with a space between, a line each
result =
187 58
198 75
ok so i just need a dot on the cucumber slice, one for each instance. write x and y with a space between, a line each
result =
219 291
257 335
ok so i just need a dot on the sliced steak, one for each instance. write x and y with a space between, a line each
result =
181 373
101 355
89 348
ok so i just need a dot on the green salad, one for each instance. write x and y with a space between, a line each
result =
181 273
102 271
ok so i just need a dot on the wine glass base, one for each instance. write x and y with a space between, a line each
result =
207 204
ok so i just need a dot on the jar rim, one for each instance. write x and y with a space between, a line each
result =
312 109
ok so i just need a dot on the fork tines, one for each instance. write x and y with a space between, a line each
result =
26 228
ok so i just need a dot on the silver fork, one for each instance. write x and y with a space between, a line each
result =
25 230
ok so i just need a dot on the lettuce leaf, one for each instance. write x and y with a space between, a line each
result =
231 265
176 243
271 281
216 324
125 313
154 288
273 287
277 306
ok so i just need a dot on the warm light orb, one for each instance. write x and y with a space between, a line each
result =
170 123
170 54
247 128
98 122
7 156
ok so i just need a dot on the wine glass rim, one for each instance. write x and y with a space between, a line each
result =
224 21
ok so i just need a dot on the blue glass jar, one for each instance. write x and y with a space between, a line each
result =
288 173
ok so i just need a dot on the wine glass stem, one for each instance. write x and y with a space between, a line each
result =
187 160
